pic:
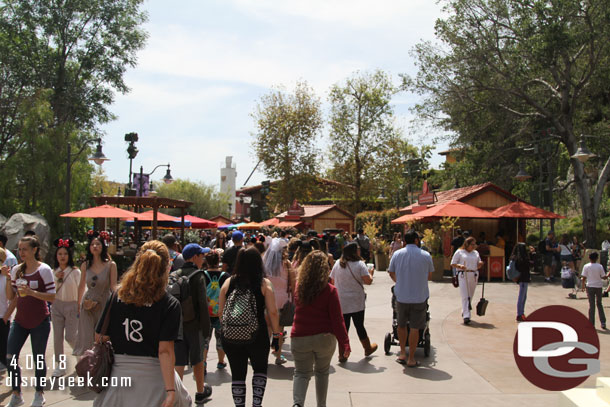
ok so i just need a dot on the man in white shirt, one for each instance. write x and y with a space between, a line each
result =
593 273
11 260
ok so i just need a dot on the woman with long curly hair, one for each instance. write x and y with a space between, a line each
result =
99 276
143 325
318 325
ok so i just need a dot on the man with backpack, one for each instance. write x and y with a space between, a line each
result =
188 285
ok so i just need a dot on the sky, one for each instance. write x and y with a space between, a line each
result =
207 63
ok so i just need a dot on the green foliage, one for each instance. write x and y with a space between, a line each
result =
508 74
285 142
207 201
361 129
432 239
191 236
382 219
60 64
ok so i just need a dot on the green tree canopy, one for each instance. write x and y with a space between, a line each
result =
512 73
207 201
288 126
361 132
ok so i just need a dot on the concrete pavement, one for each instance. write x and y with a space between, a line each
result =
468 365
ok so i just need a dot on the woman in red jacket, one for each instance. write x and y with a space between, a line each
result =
318 325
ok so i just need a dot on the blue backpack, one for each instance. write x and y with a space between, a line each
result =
511 271
213 292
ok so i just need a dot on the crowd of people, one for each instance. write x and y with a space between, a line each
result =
242 290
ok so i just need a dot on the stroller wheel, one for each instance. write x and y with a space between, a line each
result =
387 343
427 345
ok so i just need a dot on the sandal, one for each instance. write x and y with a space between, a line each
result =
281 360
221 365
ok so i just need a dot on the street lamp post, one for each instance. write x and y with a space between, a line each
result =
241 206
132 152
98 157
167 178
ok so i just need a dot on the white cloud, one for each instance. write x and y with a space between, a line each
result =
207 63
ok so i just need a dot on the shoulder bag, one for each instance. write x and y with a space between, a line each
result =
287 311
97 362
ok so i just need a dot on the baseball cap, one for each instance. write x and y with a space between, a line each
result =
237 236
193 249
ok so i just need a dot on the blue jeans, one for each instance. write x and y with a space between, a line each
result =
521 299
16 339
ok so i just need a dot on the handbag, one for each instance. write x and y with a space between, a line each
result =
455 281
90 305
511 271
287 311
97 362
482 305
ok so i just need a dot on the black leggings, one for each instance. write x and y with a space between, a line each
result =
238 355
358 318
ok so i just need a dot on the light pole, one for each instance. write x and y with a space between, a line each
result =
98 157
132 152
411 165
167 178
241 206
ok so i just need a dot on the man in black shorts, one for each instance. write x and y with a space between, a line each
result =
195 333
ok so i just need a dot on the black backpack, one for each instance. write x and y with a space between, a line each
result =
542 247
179 286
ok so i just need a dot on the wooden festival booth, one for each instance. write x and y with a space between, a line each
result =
503 213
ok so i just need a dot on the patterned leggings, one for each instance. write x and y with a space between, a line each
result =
238 355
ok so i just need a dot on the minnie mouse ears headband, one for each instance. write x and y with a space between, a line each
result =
94 234
67 243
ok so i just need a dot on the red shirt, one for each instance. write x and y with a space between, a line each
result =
32 311
323 315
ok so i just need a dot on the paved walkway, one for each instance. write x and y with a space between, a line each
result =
468 366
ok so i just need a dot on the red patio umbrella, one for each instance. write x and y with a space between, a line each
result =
148 216
200 223
451 208
103 211
522 210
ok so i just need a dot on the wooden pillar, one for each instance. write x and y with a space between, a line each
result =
154 224
182 227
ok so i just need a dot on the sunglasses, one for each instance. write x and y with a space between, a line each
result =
94 281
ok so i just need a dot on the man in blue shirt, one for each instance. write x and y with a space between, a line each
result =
409 268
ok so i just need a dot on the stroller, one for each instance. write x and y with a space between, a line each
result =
391 338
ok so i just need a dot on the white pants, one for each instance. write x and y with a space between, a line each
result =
468 282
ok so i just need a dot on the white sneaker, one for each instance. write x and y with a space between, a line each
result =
16 400
38 400
58 372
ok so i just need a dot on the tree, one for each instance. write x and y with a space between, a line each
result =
60 64
361 129
288 126
207 201
507 69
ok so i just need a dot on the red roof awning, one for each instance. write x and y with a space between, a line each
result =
103 211
454 209
522 210
270 222
200 223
